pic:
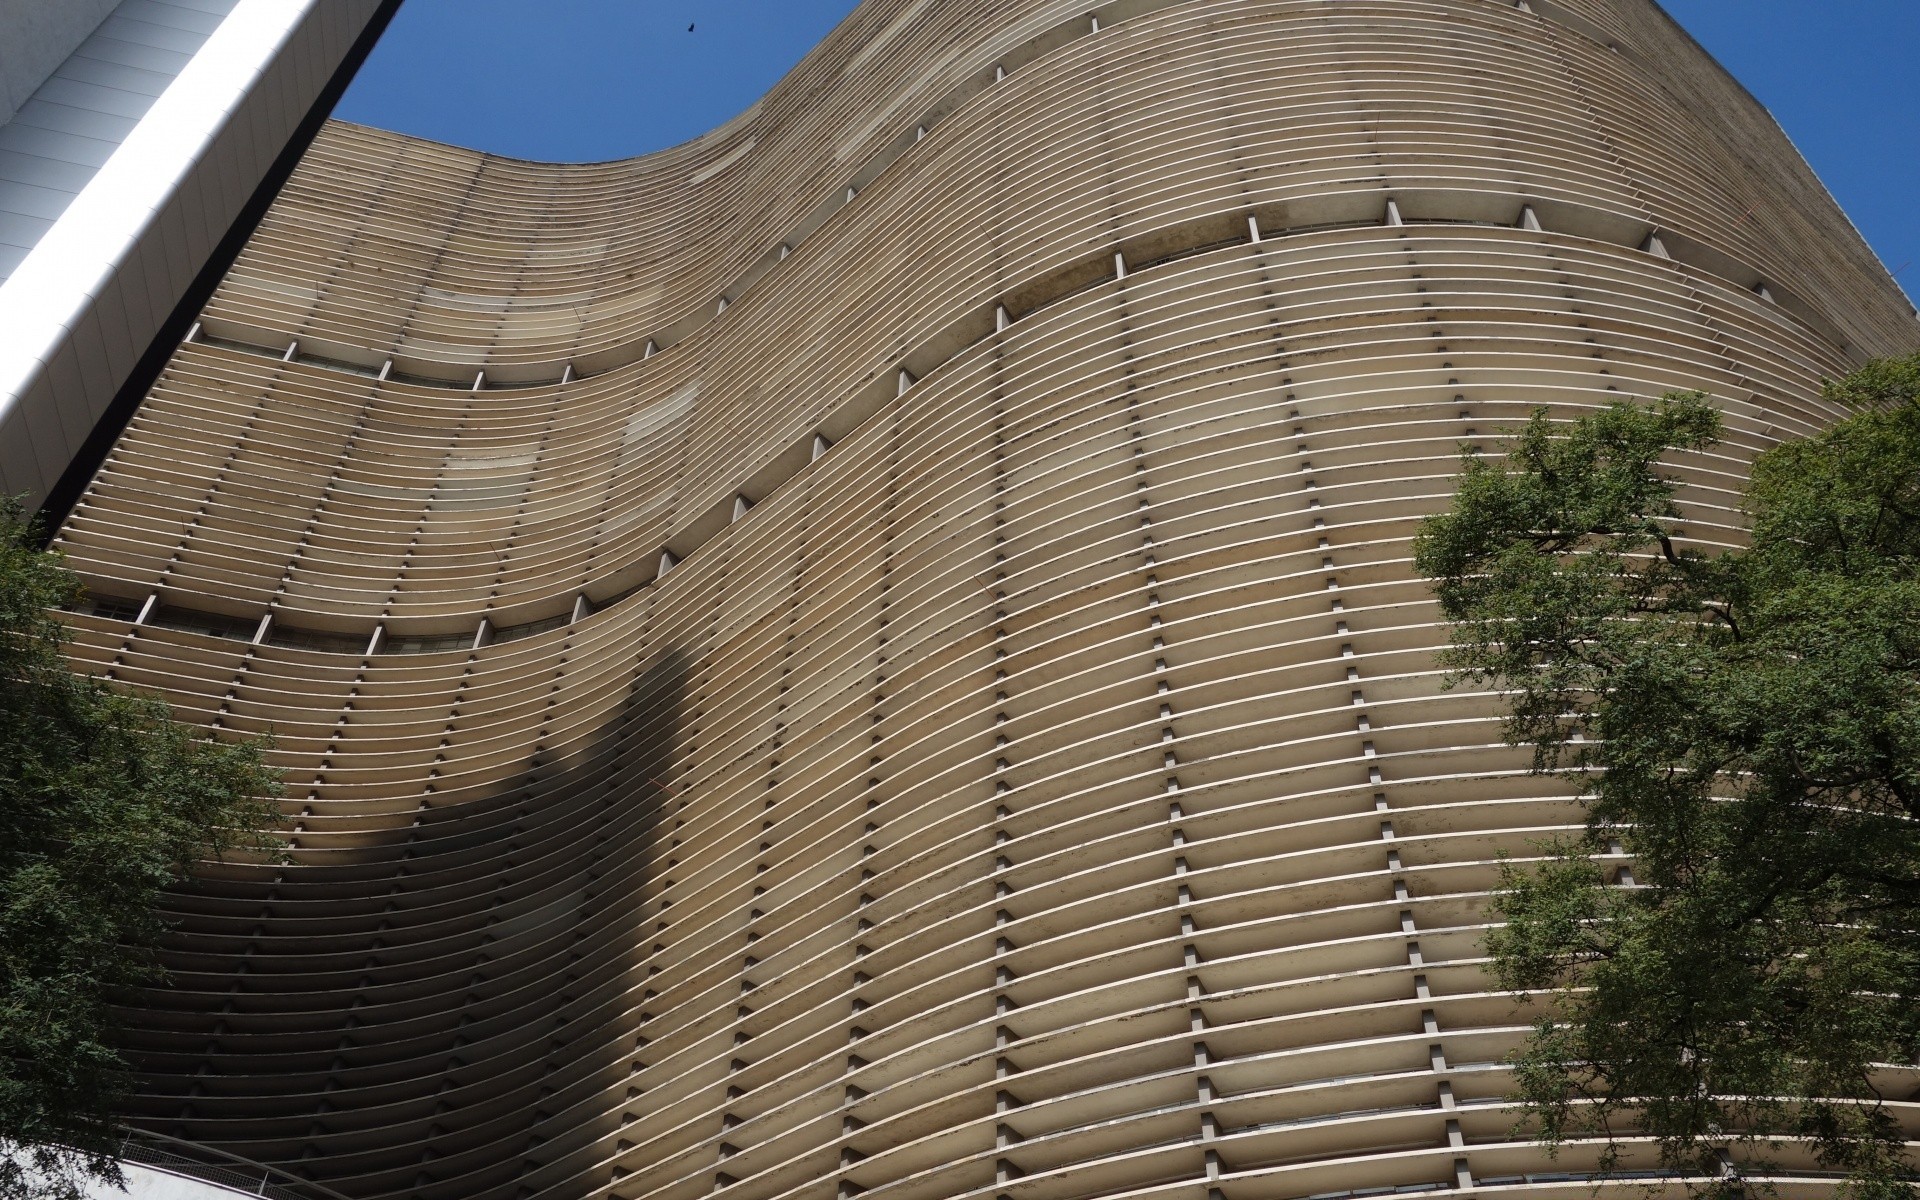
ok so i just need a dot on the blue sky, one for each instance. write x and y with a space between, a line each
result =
580 80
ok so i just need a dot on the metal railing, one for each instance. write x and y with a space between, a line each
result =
163 1153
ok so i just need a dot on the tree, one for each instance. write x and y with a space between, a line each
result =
1747 725
104 802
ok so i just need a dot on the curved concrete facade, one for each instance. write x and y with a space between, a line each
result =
874 652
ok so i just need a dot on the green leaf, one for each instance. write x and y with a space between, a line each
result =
105 801
1750 730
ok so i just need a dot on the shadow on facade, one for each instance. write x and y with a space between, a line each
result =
454 1000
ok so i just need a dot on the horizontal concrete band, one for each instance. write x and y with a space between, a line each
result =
485 313
1024 771
321 616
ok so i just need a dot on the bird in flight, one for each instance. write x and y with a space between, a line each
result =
689 28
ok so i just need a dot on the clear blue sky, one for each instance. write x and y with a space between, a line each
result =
580 80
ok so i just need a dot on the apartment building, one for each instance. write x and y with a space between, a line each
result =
874 652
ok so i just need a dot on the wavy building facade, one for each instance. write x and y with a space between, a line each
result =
874 652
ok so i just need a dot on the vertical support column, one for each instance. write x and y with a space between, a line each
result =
742 1012
994 584
1161 673
874 814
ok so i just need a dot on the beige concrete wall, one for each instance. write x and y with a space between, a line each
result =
875 653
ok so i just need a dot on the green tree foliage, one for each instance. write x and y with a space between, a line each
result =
1747 724
104 802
